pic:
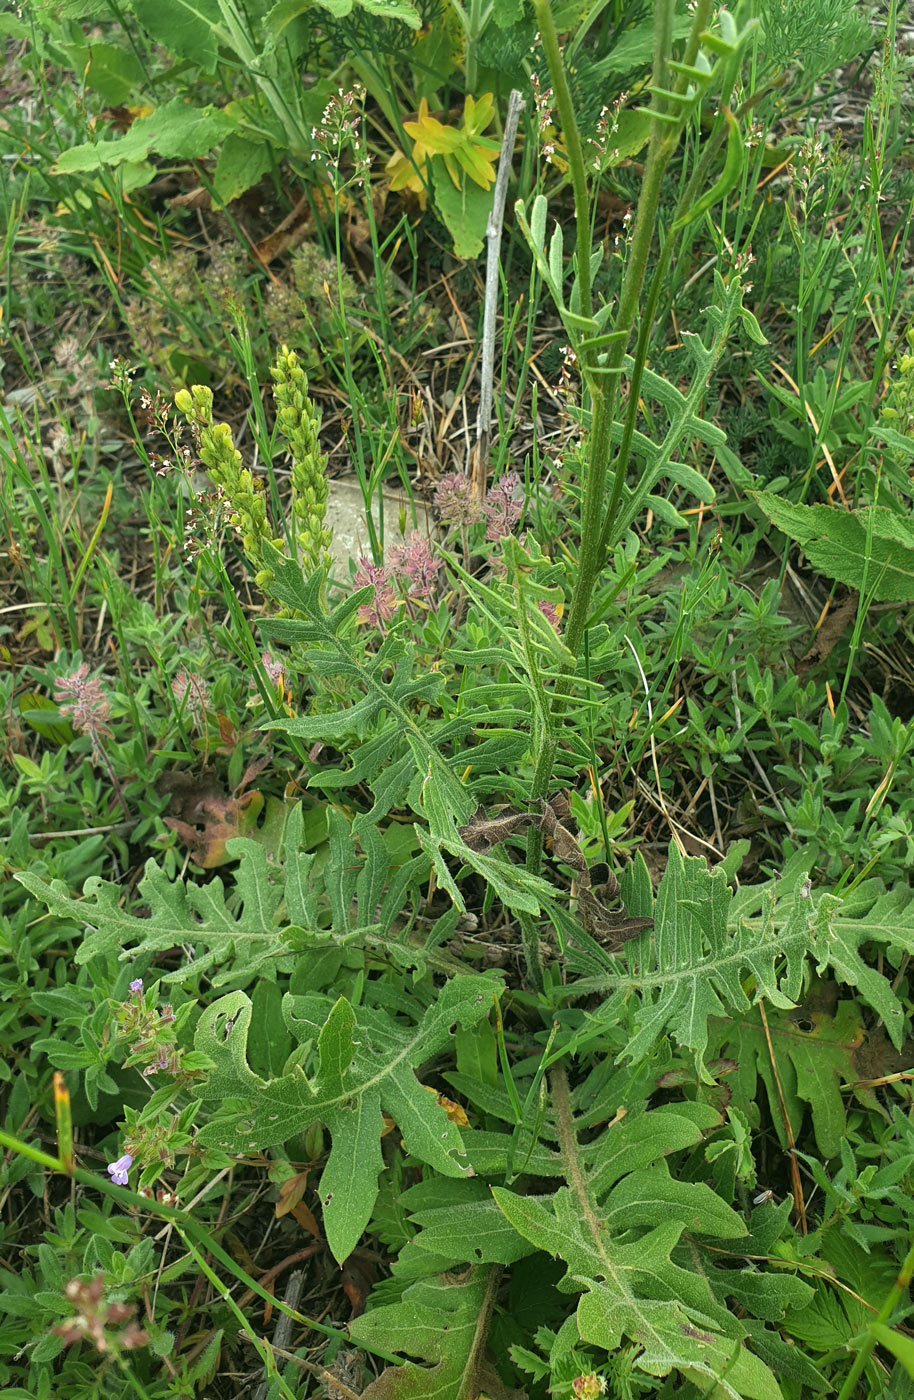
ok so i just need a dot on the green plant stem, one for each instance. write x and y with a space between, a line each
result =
190 1229
898 1291
474 24
590 559
531 942
472 1371
262 1348
594 516
571 1161
573 148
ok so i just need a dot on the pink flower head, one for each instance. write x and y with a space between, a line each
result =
192 693
381 608
274 668
456 501
88 706
549 611
416 565
502 512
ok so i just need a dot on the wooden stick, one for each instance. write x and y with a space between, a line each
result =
494 228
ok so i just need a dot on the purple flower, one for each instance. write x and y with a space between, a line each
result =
416 565
89 707
456 501
381 608
502 512
136 985
118 1170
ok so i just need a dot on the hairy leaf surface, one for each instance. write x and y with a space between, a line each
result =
708 945
366 1063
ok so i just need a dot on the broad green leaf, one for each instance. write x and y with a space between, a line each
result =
489 1154
835 541
465 211
641 1196
188 28
403 10
42 714
508 12
476 1233
238 934
822 1323
639 1140
708 945
477 1054
630 1286
787 1361
634 48
812 1066
288 10
367 1062
437 1321
313 624
403 753
633 134
899 442
240 165
179 914
113 72
175 130
618 1230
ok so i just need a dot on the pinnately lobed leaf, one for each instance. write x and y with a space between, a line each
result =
707 942
366 1062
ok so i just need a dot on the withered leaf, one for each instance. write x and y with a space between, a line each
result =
594 888
481 833
610 927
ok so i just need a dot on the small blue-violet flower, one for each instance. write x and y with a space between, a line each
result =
136 985
118 1170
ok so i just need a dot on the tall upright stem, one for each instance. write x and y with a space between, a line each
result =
604 387
573 149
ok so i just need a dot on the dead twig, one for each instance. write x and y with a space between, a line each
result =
494 228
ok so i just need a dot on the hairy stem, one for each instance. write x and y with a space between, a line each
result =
469 1384
568 1145
573 148
596 521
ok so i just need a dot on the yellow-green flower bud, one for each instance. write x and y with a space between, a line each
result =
245 507
299 422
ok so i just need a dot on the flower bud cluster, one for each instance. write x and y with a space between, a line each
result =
299 422
243 497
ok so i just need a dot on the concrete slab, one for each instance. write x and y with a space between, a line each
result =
346 517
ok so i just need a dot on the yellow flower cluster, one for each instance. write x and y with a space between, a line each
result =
244 497
299 422
245 500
